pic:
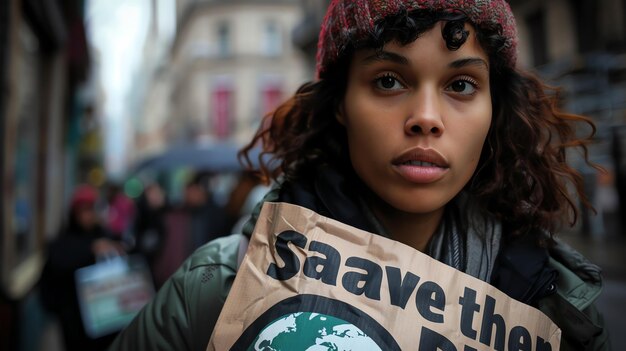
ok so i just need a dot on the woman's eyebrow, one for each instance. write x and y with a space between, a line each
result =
470 61
381 55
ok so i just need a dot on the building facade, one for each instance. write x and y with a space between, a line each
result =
230 63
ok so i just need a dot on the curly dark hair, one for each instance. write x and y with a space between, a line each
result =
522 177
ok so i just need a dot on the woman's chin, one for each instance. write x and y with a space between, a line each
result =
411 205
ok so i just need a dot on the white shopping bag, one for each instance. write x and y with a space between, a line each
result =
111 292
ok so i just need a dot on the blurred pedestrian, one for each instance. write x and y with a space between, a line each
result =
246 194
207 220
186 226
82 241
120 212
149 224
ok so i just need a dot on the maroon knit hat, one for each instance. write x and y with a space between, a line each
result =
347 21
84 195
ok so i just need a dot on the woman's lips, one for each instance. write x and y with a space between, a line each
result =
421 166
420 174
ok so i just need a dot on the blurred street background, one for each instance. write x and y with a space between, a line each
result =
130 113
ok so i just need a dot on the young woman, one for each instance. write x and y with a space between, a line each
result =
420 127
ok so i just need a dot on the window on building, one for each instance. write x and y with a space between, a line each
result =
536 22
587 25
272 43
223 40
222 111
271 97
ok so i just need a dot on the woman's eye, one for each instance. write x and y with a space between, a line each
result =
463 87
388 83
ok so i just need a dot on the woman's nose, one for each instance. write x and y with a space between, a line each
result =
425 118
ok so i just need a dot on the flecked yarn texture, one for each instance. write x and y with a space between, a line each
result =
347 21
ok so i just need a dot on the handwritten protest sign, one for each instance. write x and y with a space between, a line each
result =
312 283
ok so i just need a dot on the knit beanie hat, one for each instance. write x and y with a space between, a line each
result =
348 21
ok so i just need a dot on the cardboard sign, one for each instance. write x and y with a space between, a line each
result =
312 283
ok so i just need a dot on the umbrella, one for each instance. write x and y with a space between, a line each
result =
218 157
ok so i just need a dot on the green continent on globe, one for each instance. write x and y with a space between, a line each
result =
306 331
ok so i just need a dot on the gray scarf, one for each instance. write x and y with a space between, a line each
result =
466 239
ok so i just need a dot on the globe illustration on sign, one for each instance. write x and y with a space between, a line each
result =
307 331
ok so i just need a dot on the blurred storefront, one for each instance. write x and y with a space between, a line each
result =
580 45
44 62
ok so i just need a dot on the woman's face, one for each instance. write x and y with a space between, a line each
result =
86 216
416 118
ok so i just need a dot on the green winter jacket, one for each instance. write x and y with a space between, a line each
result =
183 313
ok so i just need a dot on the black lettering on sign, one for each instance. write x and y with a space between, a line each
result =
468 308
430 340
292 263
324 265
371 281
519 339
400 289
542 345
329 265
430 295
489 320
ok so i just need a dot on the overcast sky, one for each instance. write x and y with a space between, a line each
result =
117 30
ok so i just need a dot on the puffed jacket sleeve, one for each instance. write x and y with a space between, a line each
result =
183 313
572 306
